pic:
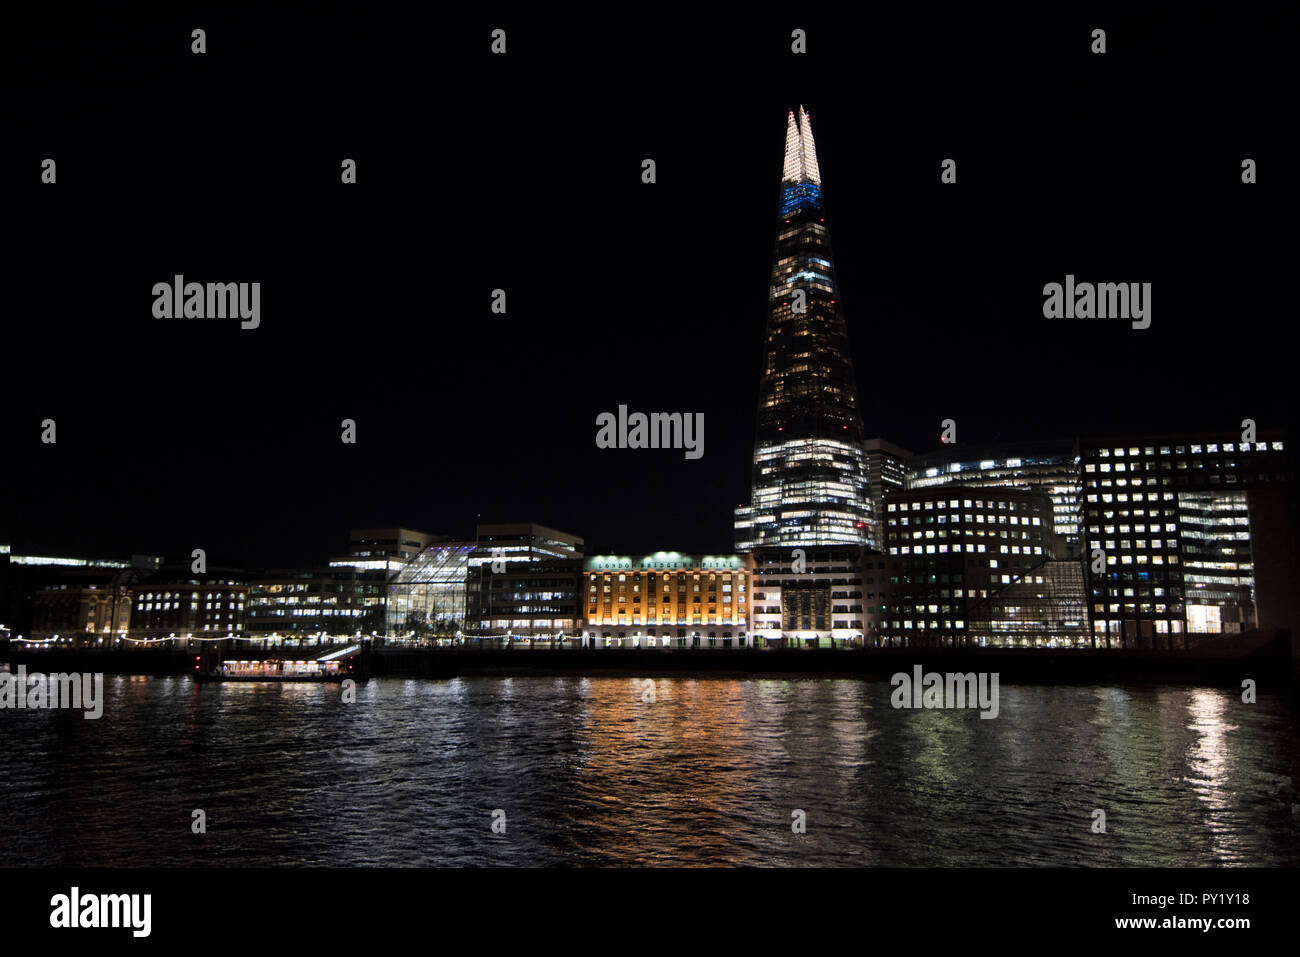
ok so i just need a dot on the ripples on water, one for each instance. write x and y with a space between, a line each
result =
589 773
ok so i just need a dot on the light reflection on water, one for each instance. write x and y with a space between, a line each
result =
708 773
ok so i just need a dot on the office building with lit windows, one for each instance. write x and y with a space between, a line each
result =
199 608
1175 528
316 604
25 572
1049 466
814 597
524 542
810 485
522 599
1044 607
384 549
524 580
667 600
517 579
886 472
972 565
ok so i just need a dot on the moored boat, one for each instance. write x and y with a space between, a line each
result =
349 663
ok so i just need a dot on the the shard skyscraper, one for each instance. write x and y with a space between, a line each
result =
810 483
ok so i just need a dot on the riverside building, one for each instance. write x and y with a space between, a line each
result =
1051 467
1185 526
814 597
80 614
667 600
315 605
524 581
887 466
514 580
188 608
971 565
810 484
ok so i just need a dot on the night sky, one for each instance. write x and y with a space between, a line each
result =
524 172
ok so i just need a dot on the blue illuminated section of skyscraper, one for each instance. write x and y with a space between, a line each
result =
810 483
800 196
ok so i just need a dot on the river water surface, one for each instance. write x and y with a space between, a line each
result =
587 771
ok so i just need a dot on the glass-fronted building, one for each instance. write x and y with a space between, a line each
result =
524 581
1049 466
315 604
887 466
973 565
428 597
1170 524
810 484
514 580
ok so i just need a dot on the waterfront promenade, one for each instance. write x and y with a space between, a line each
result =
1268 658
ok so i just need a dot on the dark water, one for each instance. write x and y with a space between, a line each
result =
589 773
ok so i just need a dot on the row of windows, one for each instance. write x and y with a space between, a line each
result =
1139 608
681 587
667 620
666 576
1108 498
934 624
762 596
970 550
307 612
978 519
166 605
303 588
1216 479
964 503
1162 626
1139 529
957 533
636 600
1180 464
169 596
1154 559
1210 449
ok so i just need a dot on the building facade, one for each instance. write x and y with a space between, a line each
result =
193 608
810 485
517 579
1044 607
428 598
525 581
80 614
1170 524
384 549
667 600
813 597
887 466
1051 467
526 599
966 560
316 605
25 572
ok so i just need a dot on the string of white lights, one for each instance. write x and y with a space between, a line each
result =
158 641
